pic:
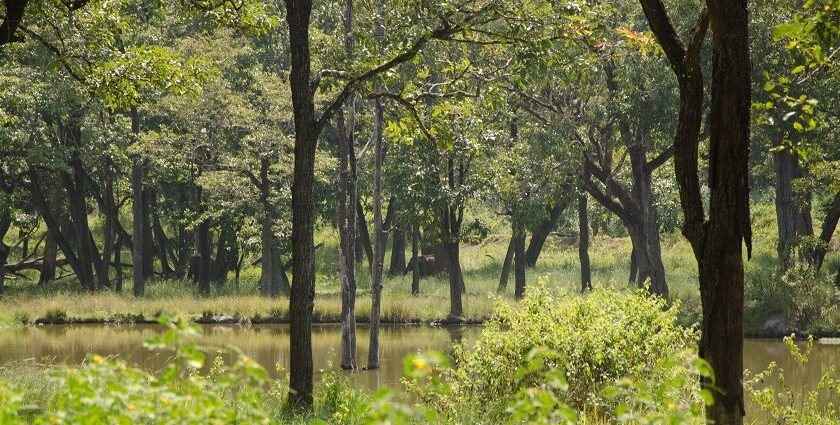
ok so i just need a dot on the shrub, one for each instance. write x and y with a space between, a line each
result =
593 341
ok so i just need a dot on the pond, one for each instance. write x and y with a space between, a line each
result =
269 345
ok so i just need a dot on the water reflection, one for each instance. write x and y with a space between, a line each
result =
267 344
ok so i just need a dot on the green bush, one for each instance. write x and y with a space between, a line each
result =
595 341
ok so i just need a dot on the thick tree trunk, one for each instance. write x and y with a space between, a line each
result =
583 243
506 264
793 219
832 216
519 262
722 264
397 250
542 232
303 206
415 270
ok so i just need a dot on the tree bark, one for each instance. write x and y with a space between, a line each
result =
506 264
347 222
302 297
583 243
148 237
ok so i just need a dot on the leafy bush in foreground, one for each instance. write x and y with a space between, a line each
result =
601 354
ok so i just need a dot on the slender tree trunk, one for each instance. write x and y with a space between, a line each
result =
415 251
506 264
148 237
162 244
634 266
535 246
5 224
583 243
346 222
137 213
519 262
267 270
118 277
378 232
107 229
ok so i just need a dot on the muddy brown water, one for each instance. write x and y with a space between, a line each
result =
269 345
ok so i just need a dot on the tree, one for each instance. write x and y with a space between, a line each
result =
716 239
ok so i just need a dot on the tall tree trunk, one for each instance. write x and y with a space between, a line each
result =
508 261
542 232
347 221
161 240
378 231
137 250
832 216
415 251
303 219
519 262
583 243
634 266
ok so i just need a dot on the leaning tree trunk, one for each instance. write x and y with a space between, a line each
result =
832 216
506 264
535 246
583 243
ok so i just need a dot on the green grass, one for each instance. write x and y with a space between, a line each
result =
25 302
